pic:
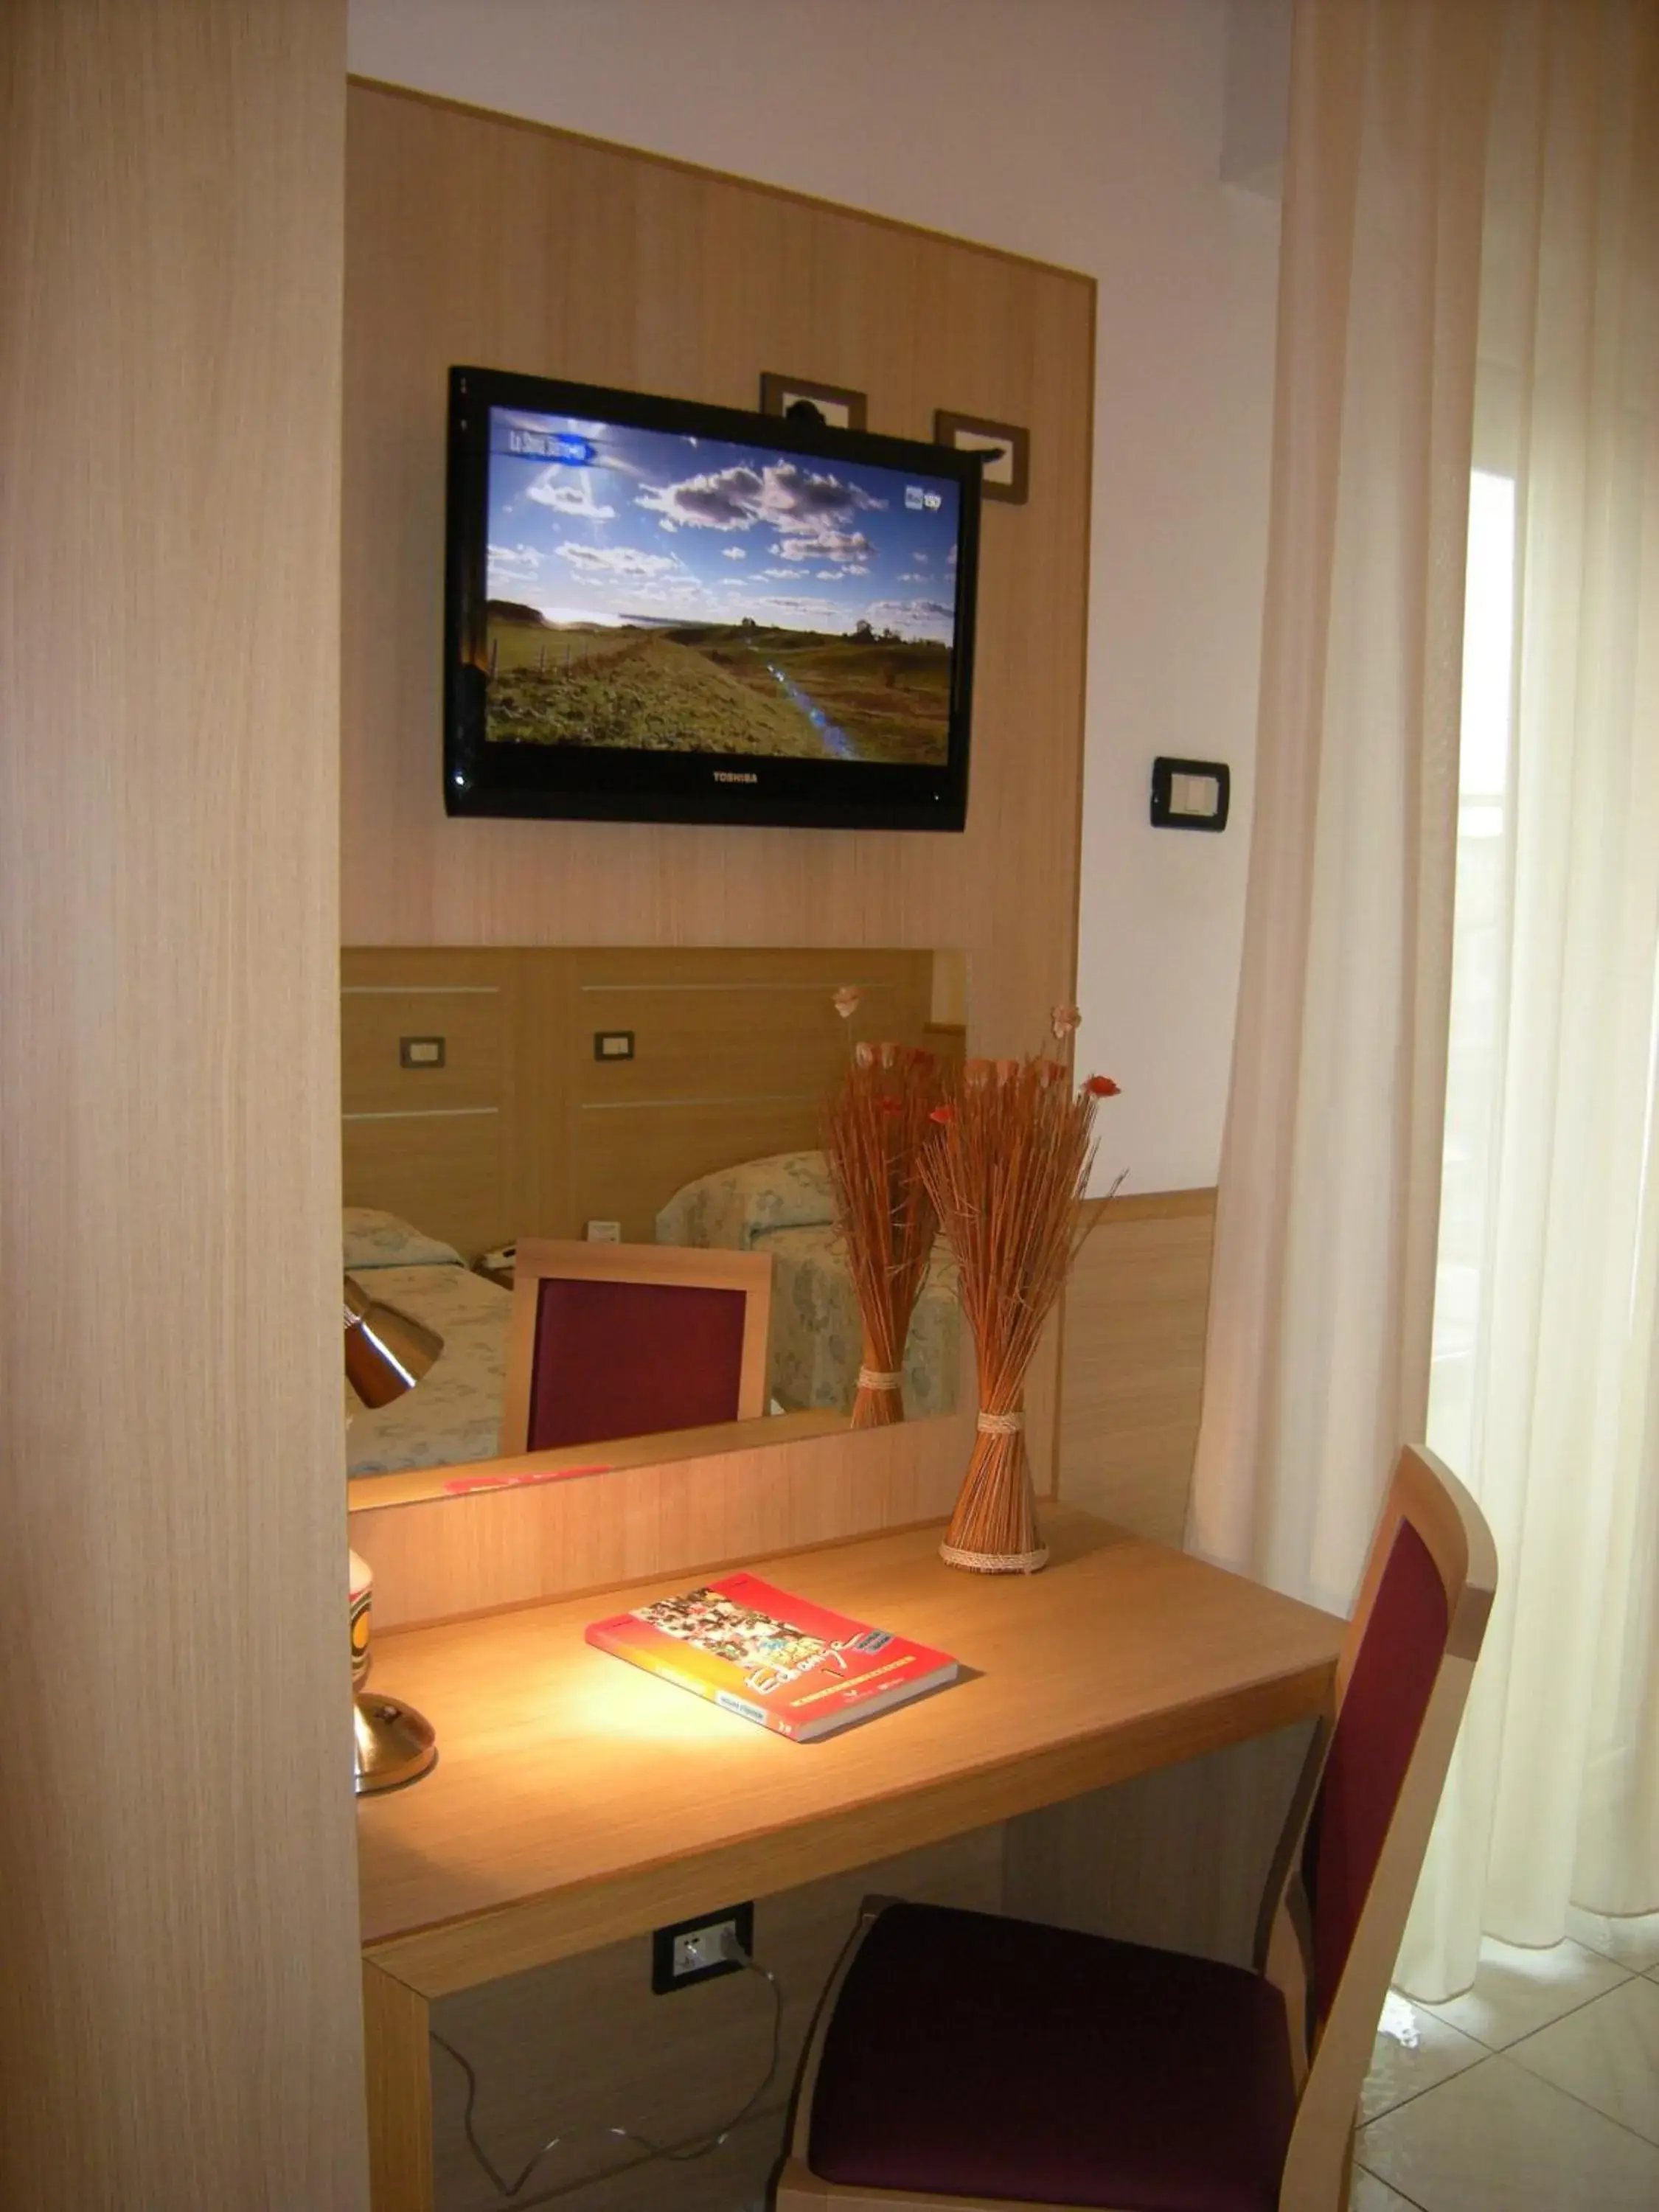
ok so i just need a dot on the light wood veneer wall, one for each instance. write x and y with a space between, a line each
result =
475 237
525 1131
1132 1364
179 1998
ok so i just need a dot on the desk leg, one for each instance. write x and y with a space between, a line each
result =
399 2075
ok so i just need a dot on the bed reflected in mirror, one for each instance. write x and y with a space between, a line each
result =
664 1105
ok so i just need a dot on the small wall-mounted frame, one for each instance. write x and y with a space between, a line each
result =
1190 794
613 1044
421 1052
1007 449
841 409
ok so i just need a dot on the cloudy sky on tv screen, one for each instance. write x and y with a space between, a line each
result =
650 589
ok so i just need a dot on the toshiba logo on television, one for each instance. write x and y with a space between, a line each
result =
734 775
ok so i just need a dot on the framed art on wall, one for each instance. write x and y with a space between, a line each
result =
836 406
1006 446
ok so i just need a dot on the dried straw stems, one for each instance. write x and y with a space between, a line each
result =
1008 1158
876 1124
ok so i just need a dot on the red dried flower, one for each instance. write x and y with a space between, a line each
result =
888 1106
943 1113
1101 1086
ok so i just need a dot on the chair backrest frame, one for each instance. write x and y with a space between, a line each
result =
1425 1496
571 1260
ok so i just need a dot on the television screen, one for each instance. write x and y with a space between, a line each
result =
663 612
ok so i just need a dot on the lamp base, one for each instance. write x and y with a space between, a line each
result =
393 1744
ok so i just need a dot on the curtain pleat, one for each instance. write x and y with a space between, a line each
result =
1546 1385
1322 1286
1439 1201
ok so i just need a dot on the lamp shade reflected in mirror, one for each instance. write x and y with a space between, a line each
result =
385 1358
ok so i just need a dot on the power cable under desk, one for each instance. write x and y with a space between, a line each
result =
692 2147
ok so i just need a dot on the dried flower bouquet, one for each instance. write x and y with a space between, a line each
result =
876 1123
1006 1161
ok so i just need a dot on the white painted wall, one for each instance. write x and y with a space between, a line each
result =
1087 132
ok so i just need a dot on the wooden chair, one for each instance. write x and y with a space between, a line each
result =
628 1340
965 2061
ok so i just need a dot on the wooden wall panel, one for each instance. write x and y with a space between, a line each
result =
523 1132
179 2007
1133 1360
467 1024
474 238
736 1051
465 1152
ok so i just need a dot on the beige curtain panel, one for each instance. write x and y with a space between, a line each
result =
1316 1364
1439 1211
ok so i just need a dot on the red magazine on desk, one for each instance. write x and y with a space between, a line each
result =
773 1657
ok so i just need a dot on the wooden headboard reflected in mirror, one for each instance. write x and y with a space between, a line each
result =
667 1096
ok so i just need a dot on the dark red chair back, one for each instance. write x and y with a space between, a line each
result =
1376 1730
622 1358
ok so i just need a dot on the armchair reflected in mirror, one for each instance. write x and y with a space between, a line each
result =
670 1098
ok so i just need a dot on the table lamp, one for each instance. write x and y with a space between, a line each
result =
385 1354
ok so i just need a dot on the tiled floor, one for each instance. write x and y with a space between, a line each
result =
1538 2090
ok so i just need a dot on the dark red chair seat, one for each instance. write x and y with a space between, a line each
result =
1058 2068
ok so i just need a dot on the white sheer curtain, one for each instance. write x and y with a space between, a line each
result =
1321 1294
1444 154
1545 1386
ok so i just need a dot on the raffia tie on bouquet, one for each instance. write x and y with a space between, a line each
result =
879 1400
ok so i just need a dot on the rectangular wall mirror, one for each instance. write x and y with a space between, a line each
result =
669 1099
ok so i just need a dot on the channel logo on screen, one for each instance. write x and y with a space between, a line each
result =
561 446
915 497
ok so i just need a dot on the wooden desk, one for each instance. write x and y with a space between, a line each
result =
577 1800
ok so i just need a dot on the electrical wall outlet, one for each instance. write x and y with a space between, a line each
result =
703 1947
695 1950
604 1232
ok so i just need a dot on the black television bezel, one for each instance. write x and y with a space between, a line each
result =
586 783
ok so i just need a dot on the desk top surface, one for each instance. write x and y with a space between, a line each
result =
577 1799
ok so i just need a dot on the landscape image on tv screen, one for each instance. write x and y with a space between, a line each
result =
654 591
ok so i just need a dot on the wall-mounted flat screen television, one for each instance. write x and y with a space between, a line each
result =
667 612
